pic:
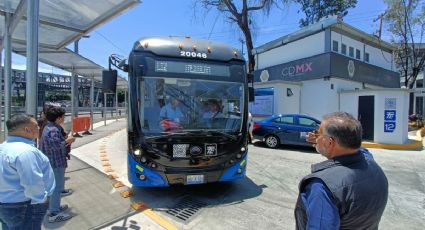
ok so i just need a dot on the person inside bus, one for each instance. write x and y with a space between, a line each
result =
214 110
171 116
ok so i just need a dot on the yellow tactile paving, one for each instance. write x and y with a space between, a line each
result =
126 193
108 169
118 184
113 176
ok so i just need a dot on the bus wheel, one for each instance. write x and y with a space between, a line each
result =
272 141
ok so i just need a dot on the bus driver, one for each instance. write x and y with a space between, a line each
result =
171 115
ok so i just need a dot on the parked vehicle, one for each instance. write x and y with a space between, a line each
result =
285 129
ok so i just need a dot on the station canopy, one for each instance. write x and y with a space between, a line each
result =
62 22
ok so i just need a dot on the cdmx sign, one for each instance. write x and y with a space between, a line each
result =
294 70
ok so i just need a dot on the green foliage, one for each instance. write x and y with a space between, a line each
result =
241 13
405 21
317 9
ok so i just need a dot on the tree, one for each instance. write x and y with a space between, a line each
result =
317 9
406 22
241 13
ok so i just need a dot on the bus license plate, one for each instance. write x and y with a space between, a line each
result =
195 179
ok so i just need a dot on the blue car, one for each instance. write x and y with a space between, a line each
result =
288 129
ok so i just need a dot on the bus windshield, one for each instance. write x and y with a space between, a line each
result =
178 105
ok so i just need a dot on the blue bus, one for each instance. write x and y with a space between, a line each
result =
188 102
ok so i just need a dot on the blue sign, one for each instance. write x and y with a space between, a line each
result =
390 115
389 126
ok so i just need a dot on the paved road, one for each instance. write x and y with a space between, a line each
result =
263 200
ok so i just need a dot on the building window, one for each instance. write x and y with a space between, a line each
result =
335 46
358 54
420 83
351 52
344 49
366 57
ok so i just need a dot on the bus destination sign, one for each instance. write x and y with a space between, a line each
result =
192 68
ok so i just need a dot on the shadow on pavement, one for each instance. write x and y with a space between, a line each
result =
226 193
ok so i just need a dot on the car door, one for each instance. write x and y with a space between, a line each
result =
303 126
287 134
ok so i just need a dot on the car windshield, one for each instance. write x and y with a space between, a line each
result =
176 105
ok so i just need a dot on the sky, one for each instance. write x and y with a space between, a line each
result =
182 18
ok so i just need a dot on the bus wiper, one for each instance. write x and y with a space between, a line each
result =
215 132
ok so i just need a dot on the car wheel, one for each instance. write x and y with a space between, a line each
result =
272 141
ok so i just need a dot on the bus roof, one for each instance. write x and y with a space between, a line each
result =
188 47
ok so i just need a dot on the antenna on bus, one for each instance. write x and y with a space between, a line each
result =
118 61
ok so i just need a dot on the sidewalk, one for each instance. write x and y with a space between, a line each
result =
95 204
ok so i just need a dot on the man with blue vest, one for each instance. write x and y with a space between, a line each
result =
347 191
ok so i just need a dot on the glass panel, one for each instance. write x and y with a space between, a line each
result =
351 52
287 120
80 15
344 49
185 105
76 13
335 46
307 122
357 54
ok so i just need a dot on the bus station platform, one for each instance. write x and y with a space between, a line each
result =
95 203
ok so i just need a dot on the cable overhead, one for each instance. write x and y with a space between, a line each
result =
104 37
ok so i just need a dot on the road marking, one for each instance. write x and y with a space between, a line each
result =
153 215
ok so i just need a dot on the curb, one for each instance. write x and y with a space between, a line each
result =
412 145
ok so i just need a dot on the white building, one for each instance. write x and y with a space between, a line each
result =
308 71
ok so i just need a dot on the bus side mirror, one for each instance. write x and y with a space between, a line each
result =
251 97
109 81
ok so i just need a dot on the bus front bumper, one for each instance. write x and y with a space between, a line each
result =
140 175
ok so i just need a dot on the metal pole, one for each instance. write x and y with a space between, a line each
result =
125 101
104 108
97 98
1 78
72 100
116 105
7 69
91 103
32 57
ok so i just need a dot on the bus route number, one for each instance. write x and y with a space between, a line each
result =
193 54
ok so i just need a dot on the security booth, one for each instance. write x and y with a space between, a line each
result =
382 112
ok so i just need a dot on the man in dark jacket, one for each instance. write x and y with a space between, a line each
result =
347 191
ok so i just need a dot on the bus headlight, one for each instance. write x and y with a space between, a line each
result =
240 170
243 149
143 160
142 177
137 152
238 156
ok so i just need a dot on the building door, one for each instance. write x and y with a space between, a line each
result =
367 115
